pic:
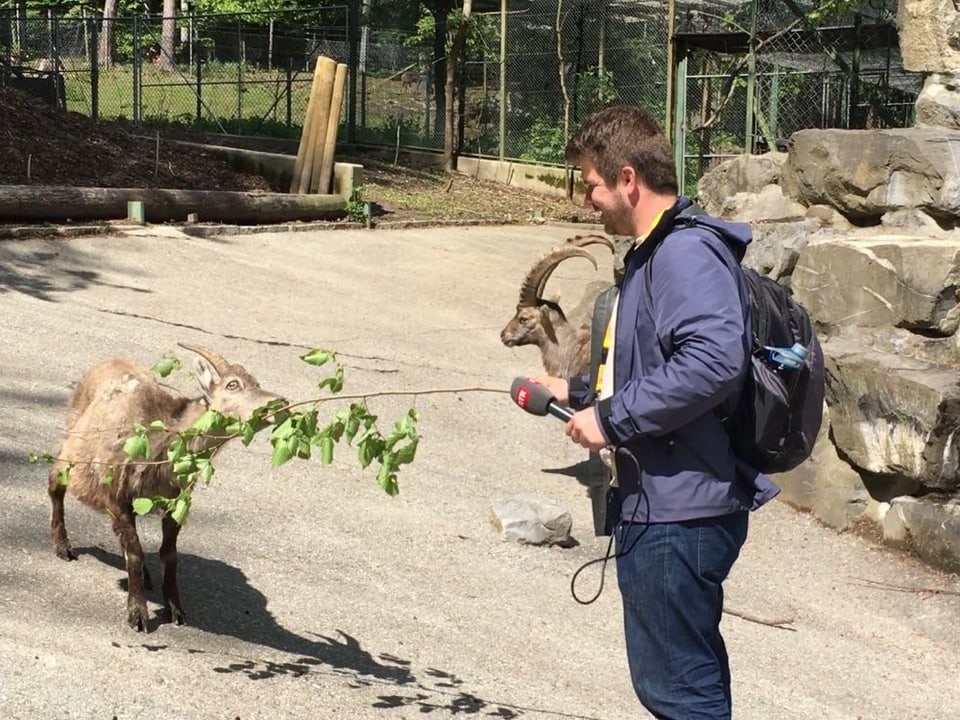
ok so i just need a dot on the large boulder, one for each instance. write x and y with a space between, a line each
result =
867 173
825 484
939 102
929 33
776 247
894 418
899 281
742 174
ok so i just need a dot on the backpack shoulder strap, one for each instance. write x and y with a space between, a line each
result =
602 310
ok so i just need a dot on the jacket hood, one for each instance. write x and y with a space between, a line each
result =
737 235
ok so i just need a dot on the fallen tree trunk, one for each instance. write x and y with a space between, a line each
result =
60 203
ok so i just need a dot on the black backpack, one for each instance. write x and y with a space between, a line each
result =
775 423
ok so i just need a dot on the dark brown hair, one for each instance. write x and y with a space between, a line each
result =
626 135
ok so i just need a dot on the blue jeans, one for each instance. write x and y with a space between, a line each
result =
671 582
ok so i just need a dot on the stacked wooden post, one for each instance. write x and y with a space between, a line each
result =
313 171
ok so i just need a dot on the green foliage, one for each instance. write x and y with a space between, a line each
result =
358 210
296 431
545 142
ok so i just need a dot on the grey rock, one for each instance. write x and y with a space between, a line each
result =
873 280
533 519
895 419
930 528
742 174
825 485
866 173
927 34
939 102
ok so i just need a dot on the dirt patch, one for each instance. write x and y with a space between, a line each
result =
43 146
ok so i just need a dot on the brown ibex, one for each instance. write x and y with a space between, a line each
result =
564 345
109 400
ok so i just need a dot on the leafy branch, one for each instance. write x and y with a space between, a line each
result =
296 431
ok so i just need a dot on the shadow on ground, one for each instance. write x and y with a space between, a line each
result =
233 607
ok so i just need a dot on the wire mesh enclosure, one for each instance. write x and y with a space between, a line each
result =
743 75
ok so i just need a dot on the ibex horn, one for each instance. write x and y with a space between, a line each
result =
536 280
584 240
219 364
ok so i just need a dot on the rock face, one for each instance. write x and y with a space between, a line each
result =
884 293
867 173
939 102
929 32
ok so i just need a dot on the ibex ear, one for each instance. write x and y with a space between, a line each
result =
206 374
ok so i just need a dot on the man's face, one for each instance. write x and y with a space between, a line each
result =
610 200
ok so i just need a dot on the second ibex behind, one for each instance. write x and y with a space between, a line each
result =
563 340
108 402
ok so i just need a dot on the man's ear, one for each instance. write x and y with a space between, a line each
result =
628 177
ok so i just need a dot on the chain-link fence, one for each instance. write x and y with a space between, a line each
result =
747 74
248 73
603 56
747 82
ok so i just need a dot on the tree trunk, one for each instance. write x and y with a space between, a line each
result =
456 50
439 75
108 44
168 35
59 203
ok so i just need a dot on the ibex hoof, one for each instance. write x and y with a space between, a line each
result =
176 615
137 616
65 552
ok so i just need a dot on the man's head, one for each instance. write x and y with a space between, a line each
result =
627 165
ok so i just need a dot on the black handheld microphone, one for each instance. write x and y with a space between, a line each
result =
537 400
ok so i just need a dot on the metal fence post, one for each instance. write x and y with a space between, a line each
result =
136 70
199 93
353 62
240 59
94 68
503 78
289 90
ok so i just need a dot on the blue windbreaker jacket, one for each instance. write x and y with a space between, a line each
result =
680 357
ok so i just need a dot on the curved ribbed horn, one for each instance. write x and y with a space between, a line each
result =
536 280
584 240
219 364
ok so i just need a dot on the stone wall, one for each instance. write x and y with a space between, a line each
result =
862 226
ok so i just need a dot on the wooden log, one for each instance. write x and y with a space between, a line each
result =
61 203
333 125
305 131
311 169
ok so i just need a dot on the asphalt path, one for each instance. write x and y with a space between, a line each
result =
312 594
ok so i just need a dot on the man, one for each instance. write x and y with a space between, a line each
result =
676 360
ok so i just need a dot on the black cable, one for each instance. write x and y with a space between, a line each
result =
620 523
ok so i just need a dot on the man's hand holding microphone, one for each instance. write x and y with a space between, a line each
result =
542 395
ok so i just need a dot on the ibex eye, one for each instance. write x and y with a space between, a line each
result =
233 385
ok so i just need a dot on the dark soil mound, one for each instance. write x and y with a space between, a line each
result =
40 145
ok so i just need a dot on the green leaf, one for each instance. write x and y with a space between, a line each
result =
206 470
248 432
353 427
158 425
284 449
33 458
167 365
210 420
333 382
181 509
184 465
326 450
317 357
107 478
137 446
405 454
387 479
143 506
63 476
